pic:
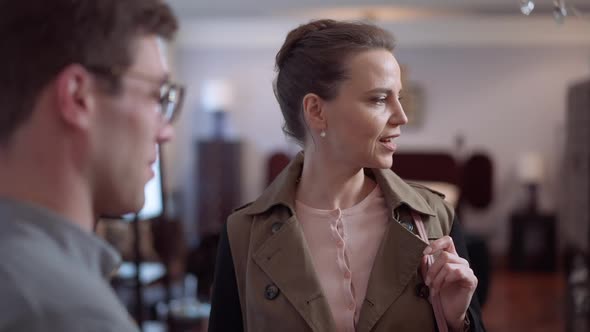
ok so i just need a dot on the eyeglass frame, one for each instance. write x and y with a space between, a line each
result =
166 87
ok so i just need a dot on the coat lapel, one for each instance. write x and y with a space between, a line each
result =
285 258
399 254
397 261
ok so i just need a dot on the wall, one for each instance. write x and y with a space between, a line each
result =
503 99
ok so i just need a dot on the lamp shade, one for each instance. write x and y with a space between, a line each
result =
530 168
216 95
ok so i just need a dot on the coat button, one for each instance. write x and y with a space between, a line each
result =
271 292
409 226
276 226
422 291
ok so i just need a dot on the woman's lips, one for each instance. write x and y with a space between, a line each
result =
388 143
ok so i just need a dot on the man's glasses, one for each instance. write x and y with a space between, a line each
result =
171 94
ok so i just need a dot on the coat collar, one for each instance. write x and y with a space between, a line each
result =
283 189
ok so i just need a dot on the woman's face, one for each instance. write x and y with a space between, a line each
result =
364 119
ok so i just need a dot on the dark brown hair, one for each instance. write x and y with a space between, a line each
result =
313 60
39 38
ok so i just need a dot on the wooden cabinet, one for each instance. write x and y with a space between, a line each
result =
532 242
218 183
576 203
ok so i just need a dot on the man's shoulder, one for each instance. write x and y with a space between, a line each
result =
18 309
25 252
37 270
38 294
26 273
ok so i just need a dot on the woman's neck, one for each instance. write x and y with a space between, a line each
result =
327 184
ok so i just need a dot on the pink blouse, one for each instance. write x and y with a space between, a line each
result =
343 245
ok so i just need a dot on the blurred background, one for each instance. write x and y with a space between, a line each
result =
499 108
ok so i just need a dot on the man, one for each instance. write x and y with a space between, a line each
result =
84 101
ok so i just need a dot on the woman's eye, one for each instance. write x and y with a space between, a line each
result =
380 100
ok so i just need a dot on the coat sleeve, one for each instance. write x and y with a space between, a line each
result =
474 310
226 313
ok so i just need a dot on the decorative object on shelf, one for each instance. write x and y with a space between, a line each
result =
412 100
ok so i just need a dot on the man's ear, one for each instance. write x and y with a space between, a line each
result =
314 113
76 92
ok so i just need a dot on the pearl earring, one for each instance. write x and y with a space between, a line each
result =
323 134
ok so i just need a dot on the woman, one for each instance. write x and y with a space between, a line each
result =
331 244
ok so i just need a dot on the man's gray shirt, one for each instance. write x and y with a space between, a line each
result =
54 275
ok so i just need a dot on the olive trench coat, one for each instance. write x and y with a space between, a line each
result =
265 279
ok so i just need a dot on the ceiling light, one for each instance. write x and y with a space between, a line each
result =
527 6
559 11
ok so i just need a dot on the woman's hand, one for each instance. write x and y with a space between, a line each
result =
450 278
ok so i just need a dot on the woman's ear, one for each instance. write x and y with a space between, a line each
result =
314 113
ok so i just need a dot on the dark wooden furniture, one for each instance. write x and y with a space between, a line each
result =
533 244
576 183
218 183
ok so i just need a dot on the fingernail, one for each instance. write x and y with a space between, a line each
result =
427 281
427 251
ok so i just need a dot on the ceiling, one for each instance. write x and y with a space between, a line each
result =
264 23
267 8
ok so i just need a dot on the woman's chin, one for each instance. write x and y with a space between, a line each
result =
381 163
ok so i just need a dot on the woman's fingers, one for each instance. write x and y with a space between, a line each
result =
452 273
448 266
445 243
440 261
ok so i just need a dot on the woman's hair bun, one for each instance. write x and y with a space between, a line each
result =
297 35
